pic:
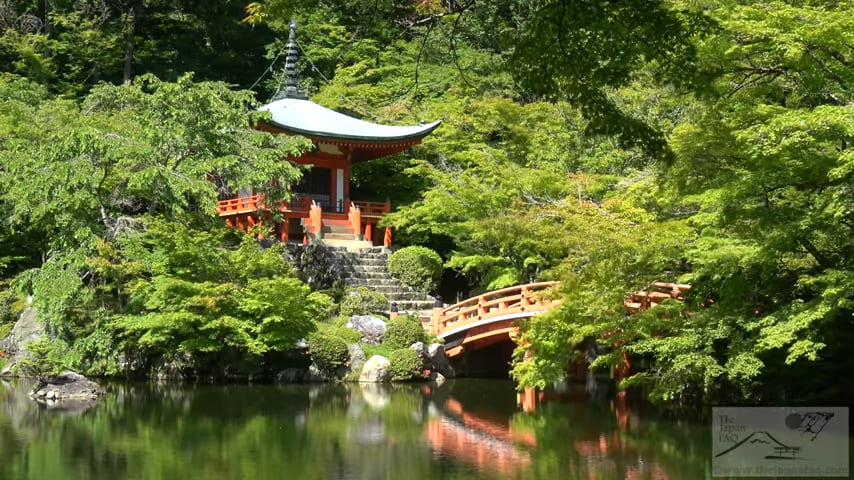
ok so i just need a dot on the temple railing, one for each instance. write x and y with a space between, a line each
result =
297 204
373 208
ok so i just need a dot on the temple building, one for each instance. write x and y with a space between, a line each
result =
321 207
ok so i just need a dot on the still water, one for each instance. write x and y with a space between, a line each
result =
465 429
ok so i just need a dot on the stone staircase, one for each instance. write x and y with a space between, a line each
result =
369 268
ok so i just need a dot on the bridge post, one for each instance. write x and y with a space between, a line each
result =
529 399
526 299
481 310
434 320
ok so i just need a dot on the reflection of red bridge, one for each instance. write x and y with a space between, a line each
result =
489 318
488 445
491 444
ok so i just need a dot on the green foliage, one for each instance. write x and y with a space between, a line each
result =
328 351
403 331
405 364
202 297
362 301
46 358
417 267
96 354
382 350
347 334
10 309
70 47
82 172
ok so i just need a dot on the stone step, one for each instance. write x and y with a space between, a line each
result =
369 281
382 250
338 236
393 288
393 297
370 268
372 256
368 262
367 275
349 245
335 228
414 305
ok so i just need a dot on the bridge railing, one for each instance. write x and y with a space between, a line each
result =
494 303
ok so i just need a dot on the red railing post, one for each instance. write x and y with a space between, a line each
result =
387 237
355 217
316 215
284 229
525 300
434 320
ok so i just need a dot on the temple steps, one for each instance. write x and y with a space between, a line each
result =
368 267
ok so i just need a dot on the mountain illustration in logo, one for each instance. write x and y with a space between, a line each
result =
763 444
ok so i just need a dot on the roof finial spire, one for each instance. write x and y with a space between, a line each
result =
291 74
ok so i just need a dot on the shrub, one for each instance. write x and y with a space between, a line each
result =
362 301
9 308
403 331
347 334
47 357
328 351
405 364
418 267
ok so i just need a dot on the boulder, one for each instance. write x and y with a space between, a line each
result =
290 375
315 374
27 329
68 386
178 368
434 358
420 350
376 370
357 358
372 328
439 361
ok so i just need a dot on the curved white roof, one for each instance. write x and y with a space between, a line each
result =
310 119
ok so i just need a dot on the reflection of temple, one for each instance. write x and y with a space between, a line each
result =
321 206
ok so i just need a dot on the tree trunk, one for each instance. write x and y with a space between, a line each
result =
42 12
129 46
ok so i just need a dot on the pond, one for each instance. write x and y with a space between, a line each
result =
466 429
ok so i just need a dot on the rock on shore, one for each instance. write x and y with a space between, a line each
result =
67 386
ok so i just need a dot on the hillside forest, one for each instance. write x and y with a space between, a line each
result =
606 145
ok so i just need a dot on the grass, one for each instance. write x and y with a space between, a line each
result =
371 350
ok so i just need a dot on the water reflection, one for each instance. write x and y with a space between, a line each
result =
466 429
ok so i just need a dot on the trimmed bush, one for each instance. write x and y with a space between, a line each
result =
403 331
362 301
405 364
418 267
328 351
347 334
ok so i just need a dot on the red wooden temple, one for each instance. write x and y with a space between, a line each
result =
321 207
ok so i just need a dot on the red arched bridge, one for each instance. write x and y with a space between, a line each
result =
490 318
